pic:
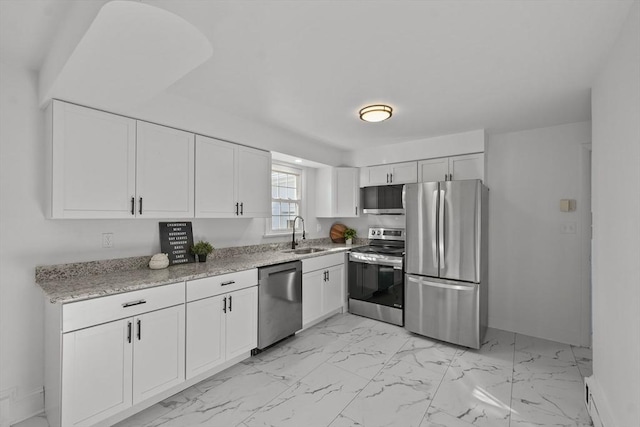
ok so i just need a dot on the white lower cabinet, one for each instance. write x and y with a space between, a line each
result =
107 354
97 355
158 352
323 291
220 325
110 367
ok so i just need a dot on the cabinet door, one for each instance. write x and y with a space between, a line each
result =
312 284
433 170
164 172
378 175
158 352
205 335
241 322
96 373
467 167
347 192
404 173
93 163
216 184
254 183
333 294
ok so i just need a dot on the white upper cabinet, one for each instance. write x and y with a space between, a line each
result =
396 173
216 185
254 182
108 166
451 168
337 193
467 167
164 172
93 163
231 180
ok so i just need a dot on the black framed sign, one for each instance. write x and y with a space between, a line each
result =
176 239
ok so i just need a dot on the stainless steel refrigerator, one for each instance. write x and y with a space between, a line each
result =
446 260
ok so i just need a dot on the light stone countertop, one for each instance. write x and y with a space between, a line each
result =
98 285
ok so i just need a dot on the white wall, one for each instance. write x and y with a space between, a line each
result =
616 230
27 239
534 270
439 146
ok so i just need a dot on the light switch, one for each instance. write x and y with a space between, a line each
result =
567 205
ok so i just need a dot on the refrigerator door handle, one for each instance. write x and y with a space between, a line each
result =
434 221
441 230
442 285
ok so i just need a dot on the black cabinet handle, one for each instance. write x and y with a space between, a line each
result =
241 208
450 177
139 329
224 306
446 177
134 303
133 207
328 278
230 303
129 332
140 207
230 282
356 211
387 178
391 178
237 204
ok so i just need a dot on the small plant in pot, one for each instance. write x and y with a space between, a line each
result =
201 250
349 235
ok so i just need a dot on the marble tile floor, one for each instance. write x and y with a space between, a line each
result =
351 371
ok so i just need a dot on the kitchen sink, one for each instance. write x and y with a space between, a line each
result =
302 251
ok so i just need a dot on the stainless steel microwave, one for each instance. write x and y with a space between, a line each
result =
382 200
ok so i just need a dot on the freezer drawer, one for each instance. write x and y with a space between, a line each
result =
443 309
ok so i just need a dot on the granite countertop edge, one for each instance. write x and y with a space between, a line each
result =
94 286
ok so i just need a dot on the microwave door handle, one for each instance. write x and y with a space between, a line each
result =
441 231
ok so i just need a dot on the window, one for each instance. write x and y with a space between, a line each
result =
285 197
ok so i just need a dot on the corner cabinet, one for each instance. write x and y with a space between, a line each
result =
395 173
232 181
132 345
323 288
337 193
469 166
103 165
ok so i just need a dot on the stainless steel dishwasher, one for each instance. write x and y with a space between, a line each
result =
279 302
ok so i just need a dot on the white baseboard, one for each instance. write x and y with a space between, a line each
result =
597 404
15 409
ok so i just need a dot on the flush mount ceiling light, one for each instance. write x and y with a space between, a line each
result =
375 113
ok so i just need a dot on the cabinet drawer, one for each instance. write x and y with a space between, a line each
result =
324 261
81 314
216 285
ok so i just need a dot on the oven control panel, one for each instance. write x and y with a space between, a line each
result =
379 233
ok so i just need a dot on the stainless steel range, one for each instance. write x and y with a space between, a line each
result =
376 276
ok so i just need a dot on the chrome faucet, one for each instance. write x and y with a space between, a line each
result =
293 237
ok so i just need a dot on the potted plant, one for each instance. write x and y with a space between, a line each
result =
349 235
201 250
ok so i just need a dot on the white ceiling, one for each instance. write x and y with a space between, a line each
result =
307 67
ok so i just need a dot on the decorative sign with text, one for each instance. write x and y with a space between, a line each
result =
176 239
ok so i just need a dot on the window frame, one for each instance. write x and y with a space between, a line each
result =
300 172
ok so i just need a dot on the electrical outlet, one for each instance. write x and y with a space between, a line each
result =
107 240
568 228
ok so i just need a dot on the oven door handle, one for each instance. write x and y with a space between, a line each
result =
397 265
